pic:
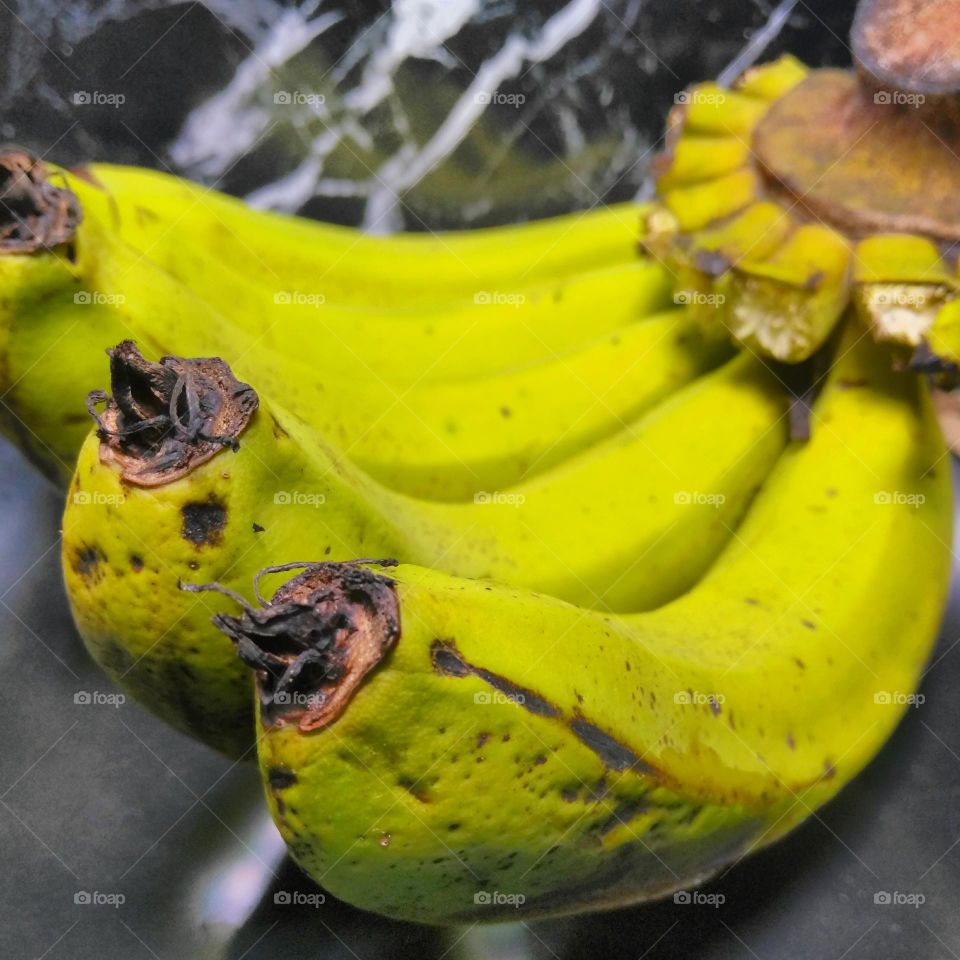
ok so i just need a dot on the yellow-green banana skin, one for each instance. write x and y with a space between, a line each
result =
499 322
510 746
154 210
585 532
444 441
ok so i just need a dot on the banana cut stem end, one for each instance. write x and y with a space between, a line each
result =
34 214
908 45
314 642
162 420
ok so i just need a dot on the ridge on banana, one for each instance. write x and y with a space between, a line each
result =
490 738
798 192
158 497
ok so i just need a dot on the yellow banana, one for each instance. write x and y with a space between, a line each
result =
443 440
500 326
444 751
626 525
156 211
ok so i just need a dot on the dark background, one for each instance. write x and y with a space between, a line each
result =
97 798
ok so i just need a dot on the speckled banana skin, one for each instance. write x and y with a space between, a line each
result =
440 440
627 525
510 744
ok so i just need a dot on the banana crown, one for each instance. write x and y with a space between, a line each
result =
799 192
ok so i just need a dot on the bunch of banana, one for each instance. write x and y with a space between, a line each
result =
156 500
425 740
631 630
445 440
798 192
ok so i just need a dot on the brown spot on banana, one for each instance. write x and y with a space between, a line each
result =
448 661
203 523
86 563
280 779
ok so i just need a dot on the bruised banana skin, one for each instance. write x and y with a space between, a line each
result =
496 328
509 742
437 440
351 267
621 544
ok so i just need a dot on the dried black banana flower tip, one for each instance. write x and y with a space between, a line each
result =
161 420
34 214
313 643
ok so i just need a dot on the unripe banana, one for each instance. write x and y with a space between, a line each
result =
441 440
448 751
141 518
159 211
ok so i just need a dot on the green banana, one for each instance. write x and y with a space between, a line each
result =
441 440
444 750
145 512
158 212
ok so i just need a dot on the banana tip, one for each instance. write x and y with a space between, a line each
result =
314 642
34 214
162 420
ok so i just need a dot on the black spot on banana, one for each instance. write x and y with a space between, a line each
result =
656 747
